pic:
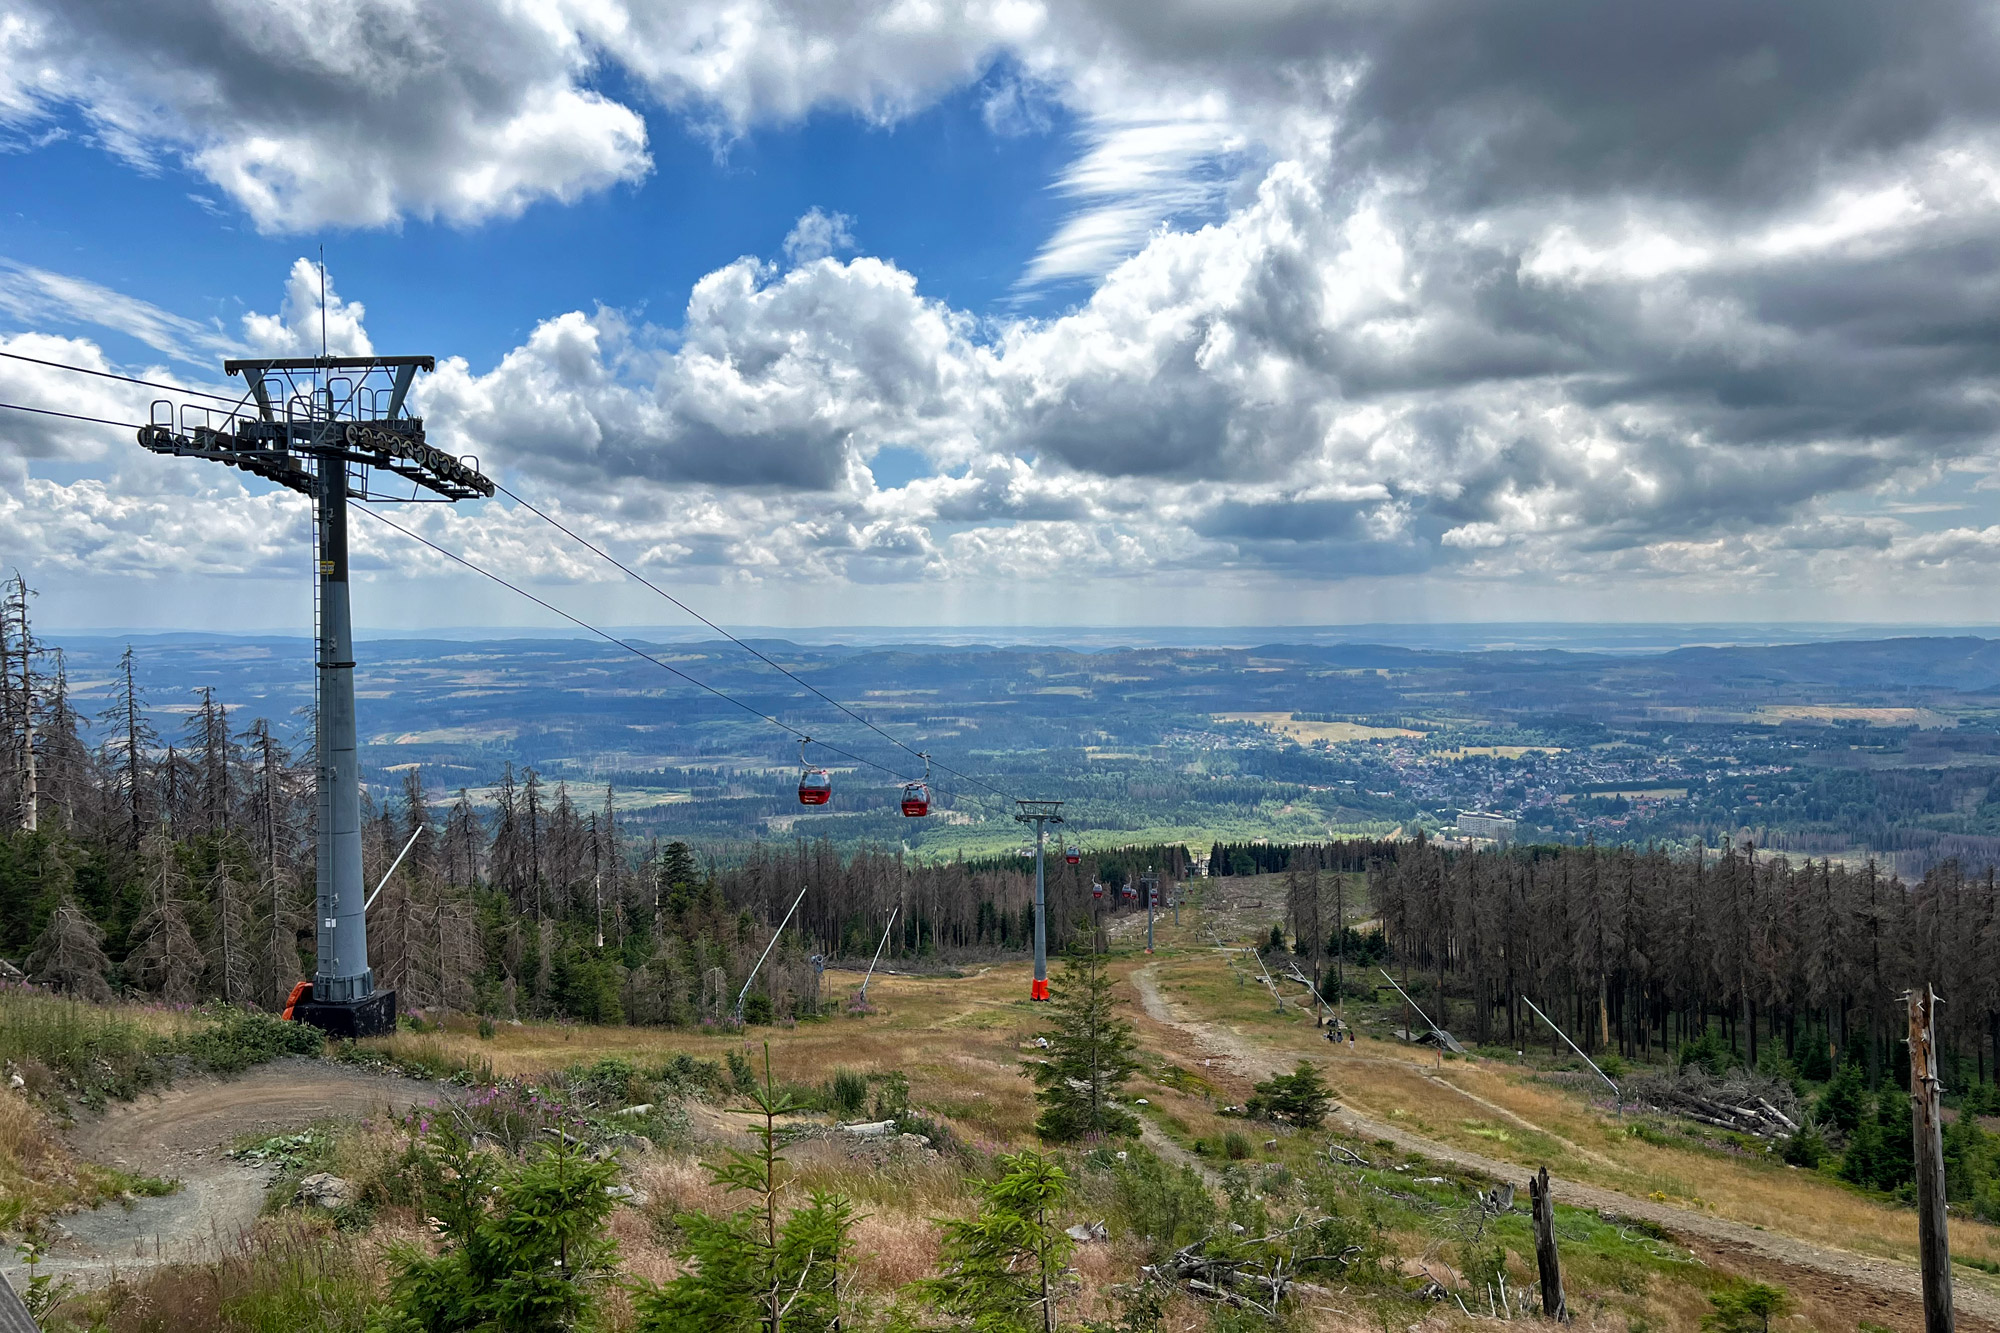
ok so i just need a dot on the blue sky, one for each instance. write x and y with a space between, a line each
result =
995 312
941 195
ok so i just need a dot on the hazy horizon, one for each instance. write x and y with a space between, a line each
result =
1484 636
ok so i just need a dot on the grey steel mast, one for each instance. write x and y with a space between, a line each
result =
337 429
1040 814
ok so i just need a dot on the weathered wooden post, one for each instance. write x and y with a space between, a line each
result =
1933 1242
1546 1259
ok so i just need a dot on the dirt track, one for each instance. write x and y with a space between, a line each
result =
1877 1288
182 1133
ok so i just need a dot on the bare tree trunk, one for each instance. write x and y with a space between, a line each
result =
1547 1261
1933 1240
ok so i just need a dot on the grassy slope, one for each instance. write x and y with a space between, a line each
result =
1499 1109
961 1041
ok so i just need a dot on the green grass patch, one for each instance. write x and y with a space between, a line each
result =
91 1052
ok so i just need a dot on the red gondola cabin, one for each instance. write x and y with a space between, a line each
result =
815 784
916 800
1073 855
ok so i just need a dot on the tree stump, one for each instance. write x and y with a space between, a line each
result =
1546 1259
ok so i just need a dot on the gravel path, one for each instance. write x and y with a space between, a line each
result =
1868 1281
182 1133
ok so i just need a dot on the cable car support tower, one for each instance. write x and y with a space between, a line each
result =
1041 814
336 429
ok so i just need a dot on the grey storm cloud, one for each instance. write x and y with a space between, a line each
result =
1735 104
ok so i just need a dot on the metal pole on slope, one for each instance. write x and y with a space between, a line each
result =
1578 1049
380 884
1040 814
1933 1239
878 951
1269 984
1445 1039
776 935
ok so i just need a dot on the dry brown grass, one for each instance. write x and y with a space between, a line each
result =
958 1040
893 1249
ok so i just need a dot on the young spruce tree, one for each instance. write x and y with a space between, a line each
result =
526 1250
761 1269
1090 1055
1001 1270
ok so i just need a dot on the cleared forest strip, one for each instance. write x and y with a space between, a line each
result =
1369 1108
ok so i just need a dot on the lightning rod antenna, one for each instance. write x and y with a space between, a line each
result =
322 300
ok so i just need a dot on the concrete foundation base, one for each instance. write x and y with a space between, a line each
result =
356 1018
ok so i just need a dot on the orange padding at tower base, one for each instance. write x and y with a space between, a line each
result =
302 991
1039 991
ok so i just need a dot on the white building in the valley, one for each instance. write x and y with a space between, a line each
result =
1479 824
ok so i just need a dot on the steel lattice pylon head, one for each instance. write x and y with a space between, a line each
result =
298 414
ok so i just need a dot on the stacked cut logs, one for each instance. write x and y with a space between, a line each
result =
1732 1105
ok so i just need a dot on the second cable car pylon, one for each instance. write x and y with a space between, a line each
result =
1041 814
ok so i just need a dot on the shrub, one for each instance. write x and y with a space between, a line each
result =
1300 1098
513 1116
1709 1052
609 1082
1807 1148
685 1076
740 1072
1235 1146
892 1094
757 1010
937 1131
1168 1206
525 1246
1845 1101
1746 1307
847 1092
240 1038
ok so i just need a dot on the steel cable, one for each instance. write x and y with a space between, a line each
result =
602 554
